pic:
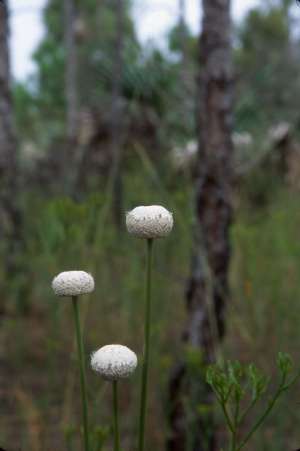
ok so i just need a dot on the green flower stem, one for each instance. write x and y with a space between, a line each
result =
266 413
80 351
235 423
248 410
143 405
226 415
233 442
116 417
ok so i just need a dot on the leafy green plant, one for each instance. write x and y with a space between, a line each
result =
239 389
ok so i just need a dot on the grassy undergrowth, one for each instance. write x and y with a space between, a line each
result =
39 390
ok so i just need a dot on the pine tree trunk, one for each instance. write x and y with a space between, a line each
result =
183 43
10 224
71 70
117 117
72 154
207 289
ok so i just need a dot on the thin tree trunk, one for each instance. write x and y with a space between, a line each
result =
207 289
187 73
71 70
183 43
117 116
10 225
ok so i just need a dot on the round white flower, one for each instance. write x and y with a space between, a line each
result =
114 362
73 283
152 221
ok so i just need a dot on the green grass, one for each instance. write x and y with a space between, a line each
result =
38 351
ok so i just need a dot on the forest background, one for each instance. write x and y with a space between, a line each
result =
105 123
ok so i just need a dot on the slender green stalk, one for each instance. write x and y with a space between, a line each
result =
80 351
235 423
116 417
248 410
233 442
143 405
227 417
265 414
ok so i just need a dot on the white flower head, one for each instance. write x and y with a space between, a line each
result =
149 222
114 362
73 283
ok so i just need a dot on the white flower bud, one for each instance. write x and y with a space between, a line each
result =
114 362
153 221
73 283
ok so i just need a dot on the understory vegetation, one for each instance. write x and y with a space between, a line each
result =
39 379
135 143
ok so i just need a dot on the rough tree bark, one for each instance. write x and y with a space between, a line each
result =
117 115
207 289
10 225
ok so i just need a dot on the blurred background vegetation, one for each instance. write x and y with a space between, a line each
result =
76 179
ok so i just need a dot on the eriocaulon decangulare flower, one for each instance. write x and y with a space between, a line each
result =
148 222
73 284
114 362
